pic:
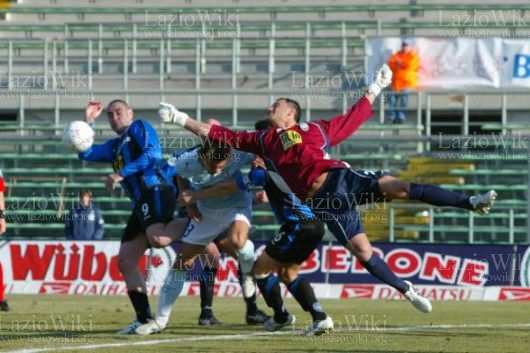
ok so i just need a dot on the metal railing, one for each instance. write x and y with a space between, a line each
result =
272 11
507 213
507 222
55 69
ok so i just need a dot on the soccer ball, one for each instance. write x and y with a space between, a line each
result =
79 135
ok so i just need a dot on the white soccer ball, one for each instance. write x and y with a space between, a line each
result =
79 135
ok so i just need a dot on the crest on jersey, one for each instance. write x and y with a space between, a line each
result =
290 138
118 163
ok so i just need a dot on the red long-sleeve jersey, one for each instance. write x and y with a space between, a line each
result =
299 153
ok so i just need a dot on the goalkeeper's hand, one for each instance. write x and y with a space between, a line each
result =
383 78
169 114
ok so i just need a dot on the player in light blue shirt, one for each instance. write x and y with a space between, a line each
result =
210 178
190 165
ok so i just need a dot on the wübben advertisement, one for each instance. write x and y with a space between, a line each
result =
440 271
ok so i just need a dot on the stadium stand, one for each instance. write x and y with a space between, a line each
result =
229 64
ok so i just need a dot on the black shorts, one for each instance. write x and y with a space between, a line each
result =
295 241
132 229
335 203
156 205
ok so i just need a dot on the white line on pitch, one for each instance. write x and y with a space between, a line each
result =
259 335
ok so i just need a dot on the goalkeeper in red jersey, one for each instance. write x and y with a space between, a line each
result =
297 151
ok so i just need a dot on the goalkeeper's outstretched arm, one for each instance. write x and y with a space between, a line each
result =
243 140
169 114
198 128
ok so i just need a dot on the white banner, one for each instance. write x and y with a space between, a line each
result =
516 68
458 63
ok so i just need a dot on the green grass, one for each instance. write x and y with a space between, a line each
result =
57 322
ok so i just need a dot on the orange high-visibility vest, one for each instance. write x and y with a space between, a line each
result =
404 66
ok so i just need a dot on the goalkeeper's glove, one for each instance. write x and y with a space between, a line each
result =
169 114
383 78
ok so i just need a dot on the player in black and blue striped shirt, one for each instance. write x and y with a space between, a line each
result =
136 158
299 235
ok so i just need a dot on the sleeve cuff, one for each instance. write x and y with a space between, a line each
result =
242 182
216 131
257 176
212 132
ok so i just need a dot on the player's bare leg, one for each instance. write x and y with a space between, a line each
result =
161 235
394 188
237 245
361 248
129 254
243 248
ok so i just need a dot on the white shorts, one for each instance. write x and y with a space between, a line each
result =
213 223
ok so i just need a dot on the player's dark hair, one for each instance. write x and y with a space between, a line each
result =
296 106
121 101
215 151
262 124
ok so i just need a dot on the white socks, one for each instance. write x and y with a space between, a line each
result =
245 257
169 293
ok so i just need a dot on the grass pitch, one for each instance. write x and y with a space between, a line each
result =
62 323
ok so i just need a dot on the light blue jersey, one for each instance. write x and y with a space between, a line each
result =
187 165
